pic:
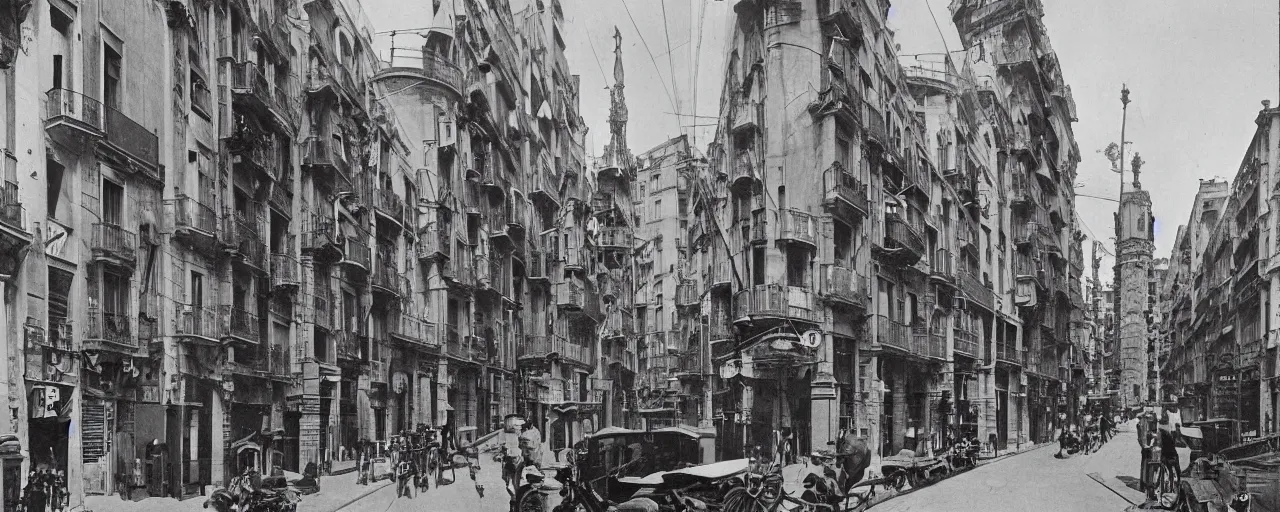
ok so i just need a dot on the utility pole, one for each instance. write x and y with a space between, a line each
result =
1094 300
1117 286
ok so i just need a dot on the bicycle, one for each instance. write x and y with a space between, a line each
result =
1163 480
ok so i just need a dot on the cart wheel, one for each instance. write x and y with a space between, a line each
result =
915 479
530 501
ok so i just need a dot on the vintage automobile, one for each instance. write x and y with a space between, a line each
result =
642 453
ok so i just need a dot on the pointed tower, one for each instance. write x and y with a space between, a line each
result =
616 152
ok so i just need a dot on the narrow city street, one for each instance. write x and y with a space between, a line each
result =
460 496
1036 480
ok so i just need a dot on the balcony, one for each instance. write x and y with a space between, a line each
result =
13 216
110 331
550 347
388 204
1007 353
930 345
842 14
196 222
326 155
413 330
250 86
902 242
746 115
966 343
687 294
795 226
759 233
940 265
386 273
243 324
134 141
200 324
1009 55
842 285
72 117
61 335
614 239
284 271
540 268
320 234
742 172
114 245
243 238
976 291
569 295
873 121
322 315
892 333
433 244
1025 234
843 191
774 301
348 345
356 253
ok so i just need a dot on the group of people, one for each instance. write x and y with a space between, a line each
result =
46 491
1096 427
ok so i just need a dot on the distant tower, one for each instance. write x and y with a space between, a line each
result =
1134 247
617 106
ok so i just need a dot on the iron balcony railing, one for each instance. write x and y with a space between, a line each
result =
390 204
199 320
386 271
569 294
966 342
113 241
110 327
70 107
433 242
899 234
778 301
976 290
196 215
319 234
931 345
132 138
840 184
542 346
357 252
797 226
243 324
284 270
615 237
842 284
687 294
12 212
874 123
1008 353
325 152
892 333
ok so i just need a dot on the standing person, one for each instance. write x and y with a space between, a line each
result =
531 444
1146 441
1170 424
405 473
1104 428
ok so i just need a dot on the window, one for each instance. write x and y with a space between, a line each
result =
115 295
797 267
111 76
112 203
53 172
757 266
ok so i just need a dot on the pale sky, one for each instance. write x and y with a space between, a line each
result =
1197 73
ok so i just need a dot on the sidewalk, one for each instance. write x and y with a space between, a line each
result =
335 493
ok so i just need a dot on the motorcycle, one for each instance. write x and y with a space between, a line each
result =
963 455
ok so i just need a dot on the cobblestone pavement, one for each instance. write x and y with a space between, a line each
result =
1037 481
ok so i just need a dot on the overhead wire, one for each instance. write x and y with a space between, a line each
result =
671 61
670 98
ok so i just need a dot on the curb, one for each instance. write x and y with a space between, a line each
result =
361 496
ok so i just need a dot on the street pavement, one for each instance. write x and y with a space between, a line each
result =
459 496
1038 481
335 492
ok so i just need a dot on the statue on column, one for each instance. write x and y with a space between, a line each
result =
618 102
1137 171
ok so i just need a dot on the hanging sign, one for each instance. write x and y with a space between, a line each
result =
811 338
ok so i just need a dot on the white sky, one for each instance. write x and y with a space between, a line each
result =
1197 72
